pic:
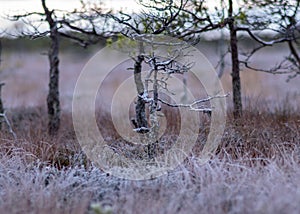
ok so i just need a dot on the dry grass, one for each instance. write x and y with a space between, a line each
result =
256 170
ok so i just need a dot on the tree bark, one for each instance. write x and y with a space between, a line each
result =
140 111
53 95
154 131
155 88
236 81
1 84
0 51
1 104
53 103
140 106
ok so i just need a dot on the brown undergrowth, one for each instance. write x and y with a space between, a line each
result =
255 170
259 135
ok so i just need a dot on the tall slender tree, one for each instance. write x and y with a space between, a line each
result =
196 18
235 73
53 103
71 25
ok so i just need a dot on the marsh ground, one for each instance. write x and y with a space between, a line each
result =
255 170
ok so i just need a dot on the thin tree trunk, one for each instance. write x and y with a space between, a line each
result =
1 104
236 81
1 84
140 111
53 95
222 55
0 51
53 103
154 131
155 88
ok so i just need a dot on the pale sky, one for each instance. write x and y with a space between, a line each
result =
35 5
11 7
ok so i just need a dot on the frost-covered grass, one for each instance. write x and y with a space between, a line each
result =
220 186
256 170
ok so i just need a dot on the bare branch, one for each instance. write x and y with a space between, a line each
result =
294 52
10 129
261 41
192 105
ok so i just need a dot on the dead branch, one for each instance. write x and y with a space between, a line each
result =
10 129
192 105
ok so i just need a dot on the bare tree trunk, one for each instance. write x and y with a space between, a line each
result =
53 103
236 81
53 95
140 111
222 55
1 104
1 84
0 51
154 131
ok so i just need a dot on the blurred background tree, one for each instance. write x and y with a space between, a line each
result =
247 18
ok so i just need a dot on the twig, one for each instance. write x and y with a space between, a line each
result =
191 105
3 115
